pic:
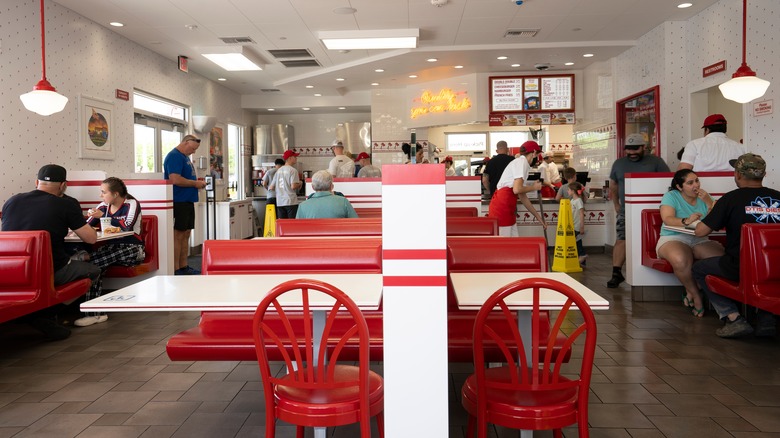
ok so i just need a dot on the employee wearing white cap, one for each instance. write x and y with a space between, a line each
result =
712 152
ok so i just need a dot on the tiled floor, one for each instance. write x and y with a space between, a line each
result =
659 372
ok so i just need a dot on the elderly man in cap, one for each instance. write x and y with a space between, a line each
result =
180 171
367 170
46 209
635 160
512 187
750 203
712 152
323 203
341 166
286 183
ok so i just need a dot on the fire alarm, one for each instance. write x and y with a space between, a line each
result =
439 3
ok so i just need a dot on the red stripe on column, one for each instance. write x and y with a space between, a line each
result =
414 254
408 174
440 280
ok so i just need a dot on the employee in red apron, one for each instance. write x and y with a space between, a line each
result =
511 188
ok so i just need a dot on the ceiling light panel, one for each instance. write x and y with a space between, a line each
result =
370 39
233 58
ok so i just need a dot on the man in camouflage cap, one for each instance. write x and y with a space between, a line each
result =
751 202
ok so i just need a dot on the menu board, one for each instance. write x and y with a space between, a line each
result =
531 93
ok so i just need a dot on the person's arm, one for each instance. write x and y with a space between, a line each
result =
613 194
530 207
581 212
682 166
669 217
351 213
519 187
486 181
702 230
704 196
87 234
181 181
559 194
296 182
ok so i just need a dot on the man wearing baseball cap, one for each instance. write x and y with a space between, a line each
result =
550 174
341 166
634 160
178 169
750 203
286 184
45 209
367 170
712 152
512 187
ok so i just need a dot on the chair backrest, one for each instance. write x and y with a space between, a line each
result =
651 231
546 375
26 264
293 336
760 248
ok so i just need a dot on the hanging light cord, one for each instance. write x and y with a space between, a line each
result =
43 46
744 31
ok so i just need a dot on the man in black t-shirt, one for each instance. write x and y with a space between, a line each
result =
495 167
749 203
46 209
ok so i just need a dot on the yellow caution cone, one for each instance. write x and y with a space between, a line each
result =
269 228
565 258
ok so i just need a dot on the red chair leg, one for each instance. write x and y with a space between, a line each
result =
380 424
299 431
470 427
270 427
557 433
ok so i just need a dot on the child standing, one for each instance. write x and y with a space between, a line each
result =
578 214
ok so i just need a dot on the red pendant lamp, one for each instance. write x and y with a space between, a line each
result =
43 99
744 85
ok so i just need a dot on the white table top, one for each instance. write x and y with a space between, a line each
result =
230 292
72 237
473 289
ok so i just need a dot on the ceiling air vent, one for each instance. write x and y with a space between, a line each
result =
270 90
237 40
521 33
290 53
301 63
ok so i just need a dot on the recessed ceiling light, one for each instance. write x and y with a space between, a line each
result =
221 79
587 55
271 109
340 79
305 108
431 59
412 76
342 107
310 86
684 5
370 39
501 58
379 70
344 11
317 95
515 65
568 63
375 83
116 24
458 66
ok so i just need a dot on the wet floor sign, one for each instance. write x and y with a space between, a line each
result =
269 227
565 257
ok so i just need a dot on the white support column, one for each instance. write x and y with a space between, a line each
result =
414 244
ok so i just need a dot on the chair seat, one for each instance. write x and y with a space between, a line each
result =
543 405
322 407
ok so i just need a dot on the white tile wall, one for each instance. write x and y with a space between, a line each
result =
83 57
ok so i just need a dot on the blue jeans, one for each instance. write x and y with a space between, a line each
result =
711 266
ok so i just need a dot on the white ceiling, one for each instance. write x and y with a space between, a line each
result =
462 32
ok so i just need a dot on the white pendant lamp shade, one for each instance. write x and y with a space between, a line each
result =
43 99
744 89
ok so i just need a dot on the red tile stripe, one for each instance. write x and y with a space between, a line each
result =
411 281
414 254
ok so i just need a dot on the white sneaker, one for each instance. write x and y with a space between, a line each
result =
89 320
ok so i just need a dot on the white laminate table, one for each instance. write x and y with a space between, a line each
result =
473 289
72 237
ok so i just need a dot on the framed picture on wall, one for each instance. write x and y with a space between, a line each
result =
96 129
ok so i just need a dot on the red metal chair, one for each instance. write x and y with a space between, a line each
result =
528 395
316 392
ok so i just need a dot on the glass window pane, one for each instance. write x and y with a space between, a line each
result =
144 149
168 141
158 106
234 152
512 138
466 142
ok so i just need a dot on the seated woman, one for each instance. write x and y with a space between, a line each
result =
684 203
125 214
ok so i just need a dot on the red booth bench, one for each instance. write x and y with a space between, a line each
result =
651 231
759 283
27 283
228 335
451 212
456 226
152 260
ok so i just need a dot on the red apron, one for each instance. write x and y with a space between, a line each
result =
503 206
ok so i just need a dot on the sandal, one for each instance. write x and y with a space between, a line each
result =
697 312
687 302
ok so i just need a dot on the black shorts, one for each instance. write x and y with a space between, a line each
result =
183 216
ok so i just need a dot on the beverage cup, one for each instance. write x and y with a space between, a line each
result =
105 222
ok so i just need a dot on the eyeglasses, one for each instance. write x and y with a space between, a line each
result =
196 140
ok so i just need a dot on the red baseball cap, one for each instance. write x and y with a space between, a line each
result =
447 158
529 146
714 119
361 156
288 154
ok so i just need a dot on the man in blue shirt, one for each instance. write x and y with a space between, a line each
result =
323 203
181 172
